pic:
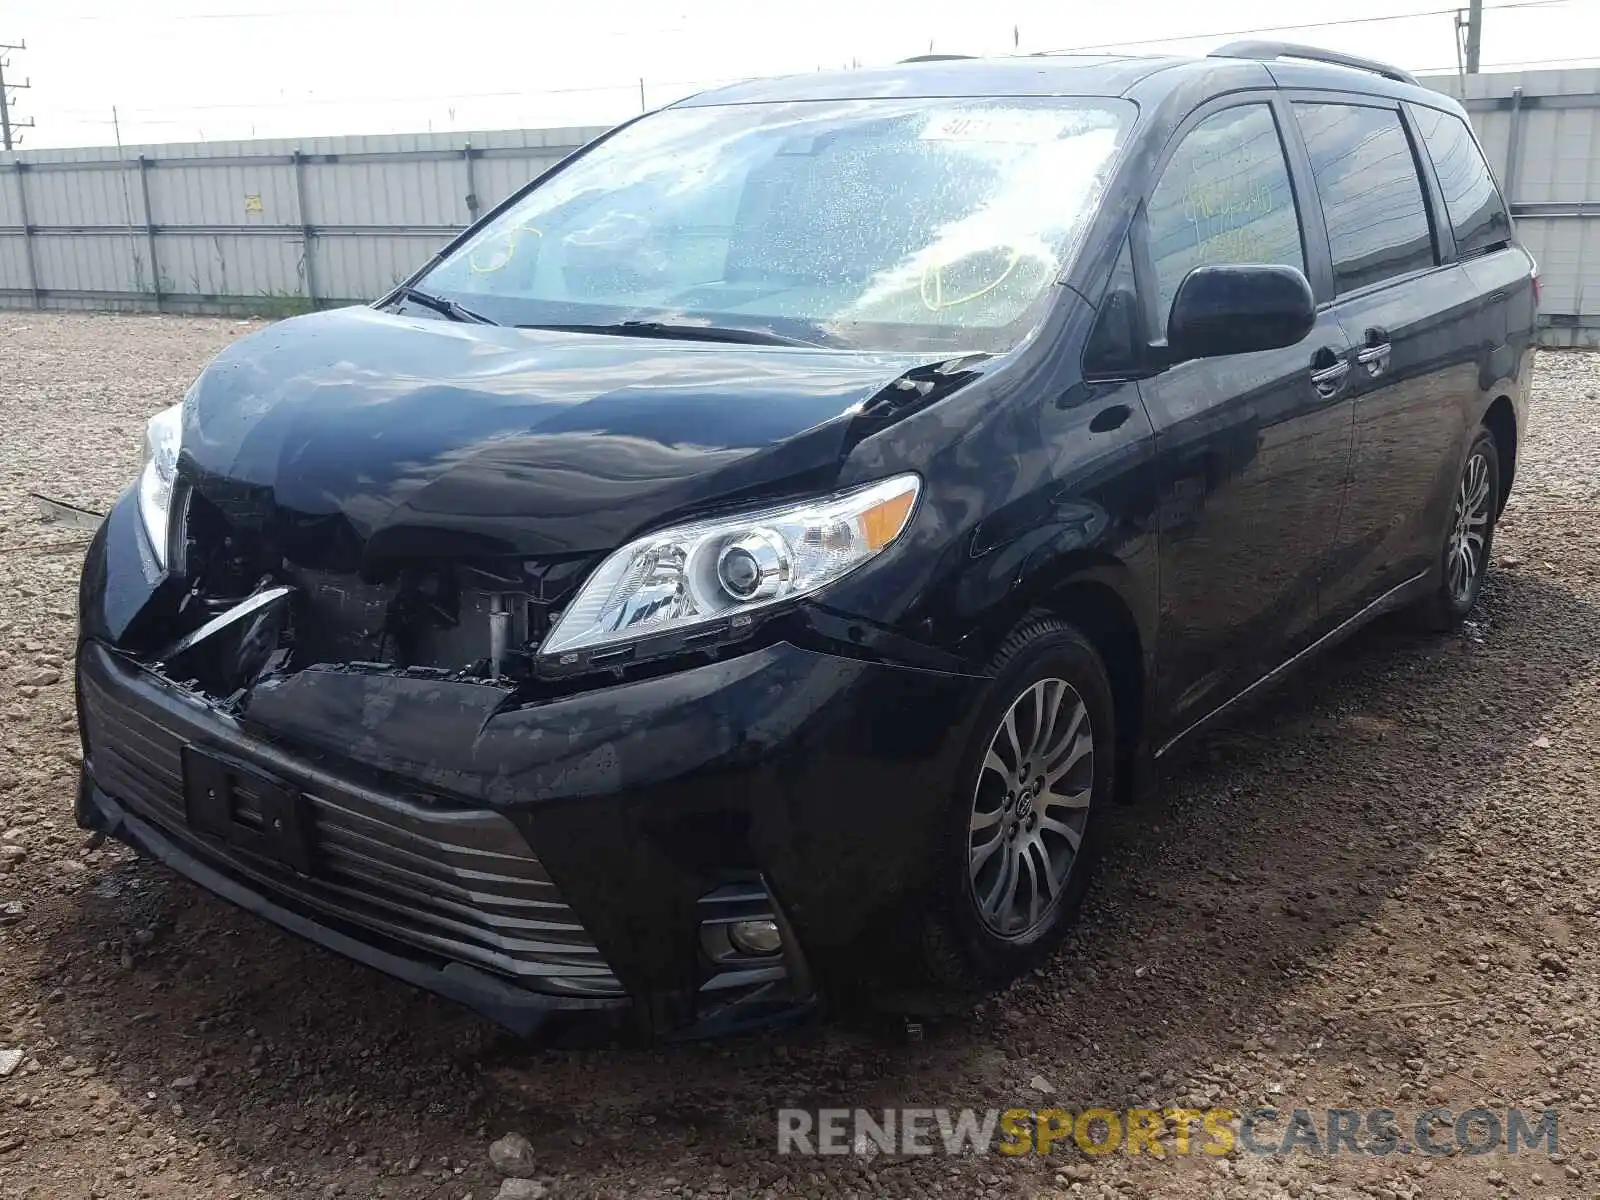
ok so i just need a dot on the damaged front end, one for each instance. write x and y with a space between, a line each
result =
358 760
315 685
364 763
248 610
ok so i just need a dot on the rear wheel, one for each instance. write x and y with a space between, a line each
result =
1019 837
1465 555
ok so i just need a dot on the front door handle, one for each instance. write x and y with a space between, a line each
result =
1328 380
1374 352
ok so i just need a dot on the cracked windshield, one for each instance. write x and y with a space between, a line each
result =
885 224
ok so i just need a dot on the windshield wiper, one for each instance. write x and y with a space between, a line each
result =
445 307
692 333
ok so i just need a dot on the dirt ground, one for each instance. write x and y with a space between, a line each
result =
1380 889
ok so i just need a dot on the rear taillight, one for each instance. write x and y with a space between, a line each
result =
1536 288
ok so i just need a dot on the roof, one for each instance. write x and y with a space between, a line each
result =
1034 75
1057 75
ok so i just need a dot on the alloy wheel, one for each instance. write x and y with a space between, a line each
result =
1464 551
1030 807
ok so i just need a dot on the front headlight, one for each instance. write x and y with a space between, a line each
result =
723 570
156 477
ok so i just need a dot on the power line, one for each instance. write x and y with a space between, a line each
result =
359 12
364 100
521 93
313 101
368 100
265 14
1222 33
81 117
1569 60
8 139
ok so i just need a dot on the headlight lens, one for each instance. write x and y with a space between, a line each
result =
712 571
156 478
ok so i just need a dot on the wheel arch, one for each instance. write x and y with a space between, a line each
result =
1500 419
1102 598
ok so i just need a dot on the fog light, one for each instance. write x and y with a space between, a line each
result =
756 937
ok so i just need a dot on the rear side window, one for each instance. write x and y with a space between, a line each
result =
1477 214
1371 194
1224 198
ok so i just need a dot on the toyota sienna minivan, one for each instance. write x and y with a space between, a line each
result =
742 570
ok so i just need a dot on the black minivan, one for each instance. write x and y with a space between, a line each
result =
742 569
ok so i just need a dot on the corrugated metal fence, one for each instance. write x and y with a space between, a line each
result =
282 226
1541 131
267 226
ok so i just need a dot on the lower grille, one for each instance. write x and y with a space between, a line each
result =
457 882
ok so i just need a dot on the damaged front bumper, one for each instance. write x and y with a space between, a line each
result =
581 852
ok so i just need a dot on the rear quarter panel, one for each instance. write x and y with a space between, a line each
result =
1508 330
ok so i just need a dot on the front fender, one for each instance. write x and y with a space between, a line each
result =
120 576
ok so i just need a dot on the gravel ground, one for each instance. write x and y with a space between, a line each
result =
1380 891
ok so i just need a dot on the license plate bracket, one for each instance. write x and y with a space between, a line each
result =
247 809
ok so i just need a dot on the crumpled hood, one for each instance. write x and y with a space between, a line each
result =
396 437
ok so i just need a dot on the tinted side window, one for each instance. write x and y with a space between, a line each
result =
1224 197
1371 195
1477 214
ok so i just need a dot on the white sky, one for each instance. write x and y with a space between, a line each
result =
187 70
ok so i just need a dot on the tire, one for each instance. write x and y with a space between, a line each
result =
969 947
1464 557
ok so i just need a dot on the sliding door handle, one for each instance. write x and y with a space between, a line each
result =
1374 357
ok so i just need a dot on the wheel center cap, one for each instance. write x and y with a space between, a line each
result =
1024 803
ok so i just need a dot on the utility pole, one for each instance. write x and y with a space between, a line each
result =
8 139
1474 35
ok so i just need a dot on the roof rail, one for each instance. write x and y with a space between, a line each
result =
937 58
1267 51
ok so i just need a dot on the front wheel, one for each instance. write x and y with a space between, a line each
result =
1465 555
1019 835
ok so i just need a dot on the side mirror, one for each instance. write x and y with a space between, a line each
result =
1237 309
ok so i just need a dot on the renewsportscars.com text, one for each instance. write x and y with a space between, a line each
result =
1163 1132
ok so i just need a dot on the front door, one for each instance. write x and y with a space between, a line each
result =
1253 448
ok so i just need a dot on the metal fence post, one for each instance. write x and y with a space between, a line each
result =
305 225
150 230
27 234
1514 146
472 184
